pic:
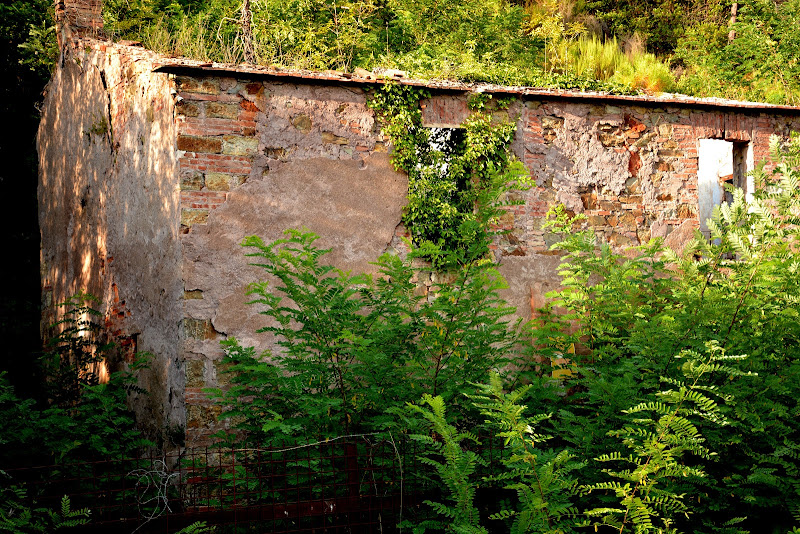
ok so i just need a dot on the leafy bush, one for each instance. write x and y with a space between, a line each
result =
83 419
678 400
761 63
659 393
352 349
494 41
20 515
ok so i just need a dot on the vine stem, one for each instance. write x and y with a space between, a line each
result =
743 297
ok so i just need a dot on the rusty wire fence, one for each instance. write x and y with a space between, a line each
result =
354 485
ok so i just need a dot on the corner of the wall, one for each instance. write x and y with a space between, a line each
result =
78 18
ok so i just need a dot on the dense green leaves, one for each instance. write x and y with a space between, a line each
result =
761 63
754 55
678 411
459 178
83 419
659 393
352 348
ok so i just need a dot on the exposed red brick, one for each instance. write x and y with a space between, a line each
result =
632 124
211 127
192 143
209 97
202 200
216 163
246 105
634 164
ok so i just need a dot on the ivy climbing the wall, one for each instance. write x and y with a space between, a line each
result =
458 178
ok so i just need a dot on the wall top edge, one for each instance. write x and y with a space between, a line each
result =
184 66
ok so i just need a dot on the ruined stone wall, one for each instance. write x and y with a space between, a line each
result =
257 158
630 168
109 209
150 181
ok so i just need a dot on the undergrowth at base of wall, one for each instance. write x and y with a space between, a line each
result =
655 393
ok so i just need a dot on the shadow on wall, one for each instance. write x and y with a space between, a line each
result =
108 210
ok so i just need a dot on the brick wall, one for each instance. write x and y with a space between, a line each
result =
631 169
216 140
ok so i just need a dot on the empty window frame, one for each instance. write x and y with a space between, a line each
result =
721 162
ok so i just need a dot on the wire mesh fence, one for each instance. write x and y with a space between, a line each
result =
354 484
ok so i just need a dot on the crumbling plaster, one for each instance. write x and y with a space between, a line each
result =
108 206
355 210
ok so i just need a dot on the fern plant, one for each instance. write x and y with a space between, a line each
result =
19 514
76 350
659 436
634 320
543 479
353 350
454 466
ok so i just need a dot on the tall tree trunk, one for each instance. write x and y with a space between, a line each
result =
732 32
247 33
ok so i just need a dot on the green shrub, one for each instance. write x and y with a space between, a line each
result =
21 515
678 409
761 63
83 420
355 348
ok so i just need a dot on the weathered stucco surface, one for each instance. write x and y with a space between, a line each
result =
109 209
290 157
217 273
293 196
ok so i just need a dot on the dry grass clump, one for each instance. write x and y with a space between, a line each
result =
627 64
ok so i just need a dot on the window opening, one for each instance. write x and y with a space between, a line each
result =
443 144
721 162
741 165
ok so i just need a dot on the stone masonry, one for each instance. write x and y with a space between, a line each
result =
155 169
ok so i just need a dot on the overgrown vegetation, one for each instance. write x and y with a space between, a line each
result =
761 62
614 46
654 393
372 344
745 50
496 41
80 419
458 178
